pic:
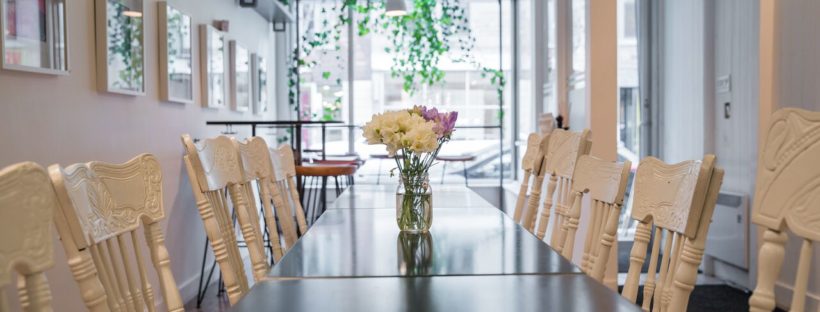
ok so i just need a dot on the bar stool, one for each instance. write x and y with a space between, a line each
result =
380 158
314 203
462 158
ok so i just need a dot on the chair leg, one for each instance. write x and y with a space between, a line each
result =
443 170
317 196
466 179
338 188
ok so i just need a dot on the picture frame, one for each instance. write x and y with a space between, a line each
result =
241 77
176 63
120 47
34 36
214 83
260 85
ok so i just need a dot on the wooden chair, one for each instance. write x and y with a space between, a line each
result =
103 205
258 167
604 182
285 190
531 166
314 185
456 158
380 158
786 197
678 200
27 206
559 163
215 171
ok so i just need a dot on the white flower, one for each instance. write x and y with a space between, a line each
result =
401 130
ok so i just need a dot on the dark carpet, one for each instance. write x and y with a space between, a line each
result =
718 298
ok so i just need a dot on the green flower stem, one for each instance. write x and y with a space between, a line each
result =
414 201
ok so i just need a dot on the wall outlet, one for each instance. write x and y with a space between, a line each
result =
724 84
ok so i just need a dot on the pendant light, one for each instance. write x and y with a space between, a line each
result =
394 8
133 8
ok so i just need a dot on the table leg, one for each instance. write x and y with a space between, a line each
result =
324 152
298 152
466 180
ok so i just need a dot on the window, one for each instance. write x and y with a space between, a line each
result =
629 30
551 88
328 93
629 106
323 80
579 30
526 48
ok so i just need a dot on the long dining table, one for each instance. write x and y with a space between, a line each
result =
475 258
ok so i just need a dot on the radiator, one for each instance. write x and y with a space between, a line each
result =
728 239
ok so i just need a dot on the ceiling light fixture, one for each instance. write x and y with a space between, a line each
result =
395 8
132 9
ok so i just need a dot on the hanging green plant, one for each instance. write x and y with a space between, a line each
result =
431 31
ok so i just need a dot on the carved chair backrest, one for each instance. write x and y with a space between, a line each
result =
215 171
27 205
678 200
559 164
257 167
531 167
786 197
529 212
604 183
108 204
284 171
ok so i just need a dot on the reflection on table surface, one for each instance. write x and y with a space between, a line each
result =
366 242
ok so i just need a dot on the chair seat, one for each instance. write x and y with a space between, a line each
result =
337 162
325 170
380 156
456 158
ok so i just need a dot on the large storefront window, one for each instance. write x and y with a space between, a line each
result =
352 90
629 106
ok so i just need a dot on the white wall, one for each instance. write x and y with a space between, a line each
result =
735 139
64 119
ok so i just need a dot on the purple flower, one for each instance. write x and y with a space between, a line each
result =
444 123
448 122
429 114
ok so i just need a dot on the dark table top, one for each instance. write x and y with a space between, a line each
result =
366 243
384 196
569 292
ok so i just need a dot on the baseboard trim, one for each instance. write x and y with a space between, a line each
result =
783 295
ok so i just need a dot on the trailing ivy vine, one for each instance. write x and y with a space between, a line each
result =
432 30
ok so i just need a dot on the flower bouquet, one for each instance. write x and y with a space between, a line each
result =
413 138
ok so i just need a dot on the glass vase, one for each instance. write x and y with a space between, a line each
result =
414 204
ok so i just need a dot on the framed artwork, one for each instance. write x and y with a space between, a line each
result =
260 85
176 63
212 62
120 50
34 36
241 95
